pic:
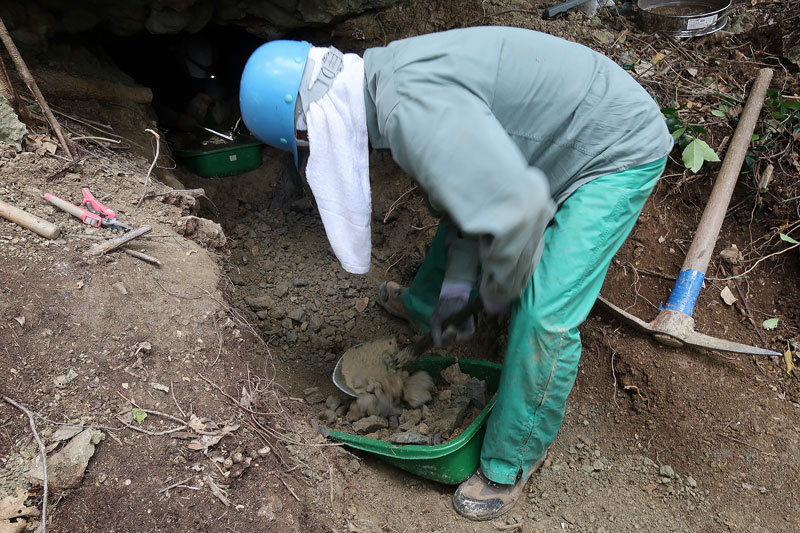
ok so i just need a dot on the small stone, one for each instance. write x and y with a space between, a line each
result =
370 424
328 416
120 287
263 452
159 386
361 304
315 398
454 376
352 467
423 428
281 289
598 465
266 512
259 303
667 471
410 437
333 402
690 481
299 283
476 392
296 314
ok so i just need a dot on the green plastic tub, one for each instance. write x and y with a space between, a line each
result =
451 462
239 156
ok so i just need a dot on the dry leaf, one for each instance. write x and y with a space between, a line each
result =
727 296
731 254
14 506
787 356
196 424
247 400
204 443
216 491
66 432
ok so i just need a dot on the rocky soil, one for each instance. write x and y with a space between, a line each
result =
191 391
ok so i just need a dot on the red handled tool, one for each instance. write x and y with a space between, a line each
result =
97 215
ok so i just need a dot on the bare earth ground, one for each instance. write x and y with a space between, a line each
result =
655 438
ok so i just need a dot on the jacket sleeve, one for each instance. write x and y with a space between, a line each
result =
451 143
462 254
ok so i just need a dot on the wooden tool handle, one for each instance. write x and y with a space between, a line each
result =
702 246
41 227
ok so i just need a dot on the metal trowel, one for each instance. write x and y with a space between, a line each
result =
399 359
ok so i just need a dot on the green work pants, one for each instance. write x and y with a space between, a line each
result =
544 344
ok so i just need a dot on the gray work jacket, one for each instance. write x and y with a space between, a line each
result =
500 125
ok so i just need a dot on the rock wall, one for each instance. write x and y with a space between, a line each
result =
34 20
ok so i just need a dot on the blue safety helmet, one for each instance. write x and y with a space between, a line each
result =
268 92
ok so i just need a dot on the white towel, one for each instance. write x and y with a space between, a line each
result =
338 163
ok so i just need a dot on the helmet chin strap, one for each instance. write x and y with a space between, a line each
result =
332 64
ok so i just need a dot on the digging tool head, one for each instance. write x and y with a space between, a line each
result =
676 329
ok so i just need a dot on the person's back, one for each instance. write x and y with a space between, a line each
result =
573 113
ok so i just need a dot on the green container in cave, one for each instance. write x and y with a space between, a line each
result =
451 462
241 155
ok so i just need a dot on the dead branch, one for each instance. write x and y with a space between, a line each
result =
155 158
43 523
218 492
143 257
112 244
22 68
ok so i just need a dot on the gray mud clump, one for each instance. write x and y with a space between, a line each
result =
414 409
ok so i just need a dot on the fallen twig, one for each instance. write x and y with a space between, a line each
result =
43 523
149 170
397 202
172 391
165 489
116 242
26 76
216 491
289 489
143 257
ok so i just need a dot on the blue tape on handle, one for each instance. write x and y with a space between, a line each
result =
684 293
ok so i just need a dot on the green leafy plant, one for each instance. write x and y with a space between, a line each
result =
138 414
721 111
785 113
695 151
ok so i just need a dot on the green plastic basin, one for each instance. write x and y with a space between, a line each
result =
240 156
453 461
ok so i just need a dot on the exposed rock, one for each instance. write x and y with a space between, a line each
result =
296 314
410 437
454 376
476 392
12 131
65 468
201 230
259 303
370 424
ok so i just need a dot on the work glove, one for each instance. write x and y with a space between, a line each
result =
493 306
453 297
